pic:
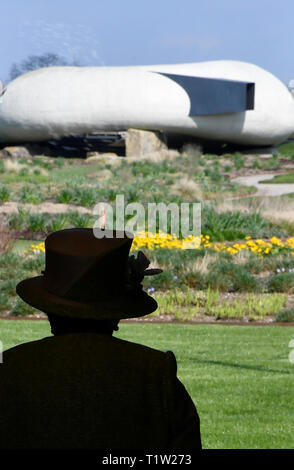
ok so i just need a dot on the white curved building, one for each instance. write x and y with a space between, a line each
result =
227 101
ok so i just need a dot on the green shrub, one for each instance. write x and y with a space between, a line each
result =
85 197
175 259
36 161
80 220
37 222
9 259
4 193
15 221
283 282
278 263
66 196
21 308
254 265
59 162
30 195
239 160
214 281
35 263
232 225
8 287
270 164
108 194
58 222
286 315
193 279
133 195
42 162
5 303
163 281
227 276
24 171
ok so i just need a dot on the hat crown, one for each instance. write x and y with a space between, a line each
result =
81 266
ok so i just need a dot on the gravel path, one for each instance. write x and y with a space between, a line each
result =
265 189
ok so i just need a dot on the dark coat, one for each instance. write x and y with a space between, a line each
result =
93 391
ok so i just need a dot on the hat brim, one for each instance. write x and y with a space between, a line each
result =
131 305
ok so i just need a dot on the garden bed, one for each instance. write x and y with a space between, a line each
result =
241 270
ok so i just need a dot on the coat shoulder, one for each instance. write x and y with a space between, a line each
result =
93 347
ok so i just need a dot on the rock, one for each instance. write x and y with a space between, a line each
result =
15 152
93 156
141 142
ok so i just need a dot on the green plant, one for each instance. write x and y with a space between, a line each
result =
8 287
65 196
193 279
239 160
4 193
163 281
109 194
5 303
42 162
59 162
283 282
212 299
58 222
35 263
30 195
286 315
233 225
8 259
254 265
24 171
37 222
21 308
85 197
258 306
80 220
17 220
227 276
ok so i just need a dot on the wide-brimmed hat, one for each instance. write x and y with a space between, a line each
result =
90 277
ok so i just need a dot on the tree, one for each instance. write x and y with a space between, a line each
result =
34 62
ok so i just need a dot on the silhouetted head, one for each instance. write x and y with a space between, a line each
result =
62 325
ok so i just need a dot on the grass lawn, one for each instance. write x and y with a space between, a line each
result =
239 377
287 178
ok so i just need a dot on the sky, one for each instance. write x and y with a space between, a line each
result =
133 32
